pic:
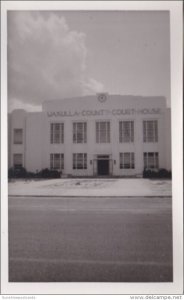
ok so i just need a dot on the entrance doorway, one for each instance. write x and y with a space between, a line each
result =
103 165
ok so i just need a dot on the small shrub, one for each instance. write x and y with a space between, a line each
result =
31 175
161 173
46 173
22 173
17 173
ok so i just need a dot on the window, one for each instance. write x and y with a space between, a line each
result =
80 132
127 160
103 132
150 131
79 161
126 131
151 160
57 161
18 136
57 133
17 160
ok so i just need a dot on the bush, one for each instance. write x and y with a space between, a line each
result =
46 173
30 175
22 173
161 173
17 172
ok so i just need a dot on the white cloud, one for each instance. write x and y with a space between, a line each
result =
91 85
46 60
18 104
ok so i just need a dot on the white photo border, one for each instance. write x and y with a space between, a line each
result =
176 287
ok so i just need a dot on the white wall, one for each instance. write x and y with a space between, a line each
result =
18 120
37 126
34 141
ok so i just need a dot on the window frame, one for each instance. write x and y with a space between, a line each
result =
153 137
123 164
147 159
77 133
53 161
80 161
122 137
54 133
19 140
99 131
17 165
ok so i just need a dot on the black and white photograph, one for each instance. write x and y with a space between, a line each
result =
90 169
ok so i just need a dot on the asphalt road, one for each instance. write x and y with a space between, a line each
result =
90 239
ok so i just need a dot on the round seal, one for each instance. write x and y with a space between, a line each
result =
102 97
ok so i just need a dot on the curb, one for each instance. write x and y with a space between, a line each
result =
89 196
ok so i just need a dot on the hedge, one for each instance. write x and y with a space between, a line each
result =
22 173
161 173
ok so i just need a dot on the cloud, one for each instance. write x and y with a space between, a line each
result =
46 60
92 85
18 104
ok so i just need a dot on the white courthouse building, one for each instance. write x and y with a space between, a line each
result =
99 135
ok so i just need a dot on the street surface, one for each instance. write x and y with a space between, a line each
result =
90 239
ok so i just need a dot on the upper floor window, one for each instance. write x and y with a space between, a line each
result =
17 160
151 160
57 133
80 161
57 161
127 160
126 131
150 131
18 136
103 132
80 132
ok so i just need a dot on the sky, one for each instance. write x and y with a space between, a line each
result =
61 54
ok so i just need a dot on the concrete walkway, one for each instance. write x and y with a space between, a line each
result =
91 187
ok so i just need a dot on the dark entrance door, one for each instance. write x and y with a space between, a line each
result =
103 167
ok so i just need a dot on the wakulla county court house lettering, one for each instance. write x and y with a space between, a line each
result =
99 135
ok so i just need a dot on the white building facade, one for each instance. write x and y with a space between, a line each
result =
101 135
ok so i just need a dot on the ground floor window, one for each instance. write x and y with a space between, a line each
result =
57 161
80 161
151 160
17 160
127 160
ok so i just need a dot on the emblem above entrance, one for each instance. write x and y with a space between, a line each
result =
102 97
